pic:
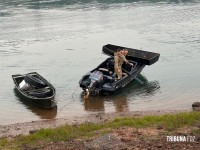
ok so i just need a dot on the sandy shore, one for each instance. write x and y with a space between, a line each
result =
25 128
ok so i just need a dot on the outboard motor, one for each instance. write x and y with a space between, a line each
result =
95 82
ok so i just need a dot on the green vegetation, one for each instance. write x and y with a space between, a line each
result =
169 122
196 131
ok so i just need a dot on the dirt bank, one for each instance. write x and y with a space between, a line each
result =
134 139
13 130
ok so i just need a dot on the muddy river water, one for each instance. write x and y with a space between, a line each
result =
62 40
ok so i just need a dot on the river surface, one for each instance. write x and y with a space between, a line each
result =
62 40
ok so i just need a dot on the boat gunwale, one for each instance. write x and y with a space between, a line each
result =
29 96
148 58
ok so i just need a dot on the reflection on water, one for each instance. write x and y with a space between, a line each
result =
121 98
42 113
137 89
121 104
96 104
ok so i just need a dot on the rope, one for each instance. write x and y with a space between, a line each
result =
71 95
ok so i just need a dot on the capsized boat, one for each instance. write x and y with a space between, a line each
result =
102 79
35 88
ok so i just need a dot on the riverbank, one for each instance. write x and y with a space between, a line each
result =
137 130
12 130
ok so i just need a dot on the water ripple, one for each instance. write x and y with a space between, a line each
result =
63 41
11 52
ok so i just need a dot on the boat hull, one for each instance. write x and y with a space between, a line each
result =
109 84
111 87
47 100
145 57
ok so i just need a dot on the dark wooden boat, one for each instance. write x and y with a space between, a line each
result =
101 79
33 87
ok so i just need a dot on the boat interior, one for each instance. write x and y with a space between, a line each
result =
107 67
32 89
20 78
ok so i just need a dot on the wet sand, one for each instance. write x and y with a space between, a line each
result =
26 128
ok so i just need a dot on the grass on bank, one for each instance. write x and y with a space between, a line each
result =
169 122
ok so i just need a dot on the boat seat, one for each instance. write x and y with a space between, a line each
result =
108 75
35 90
124 74
105 71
